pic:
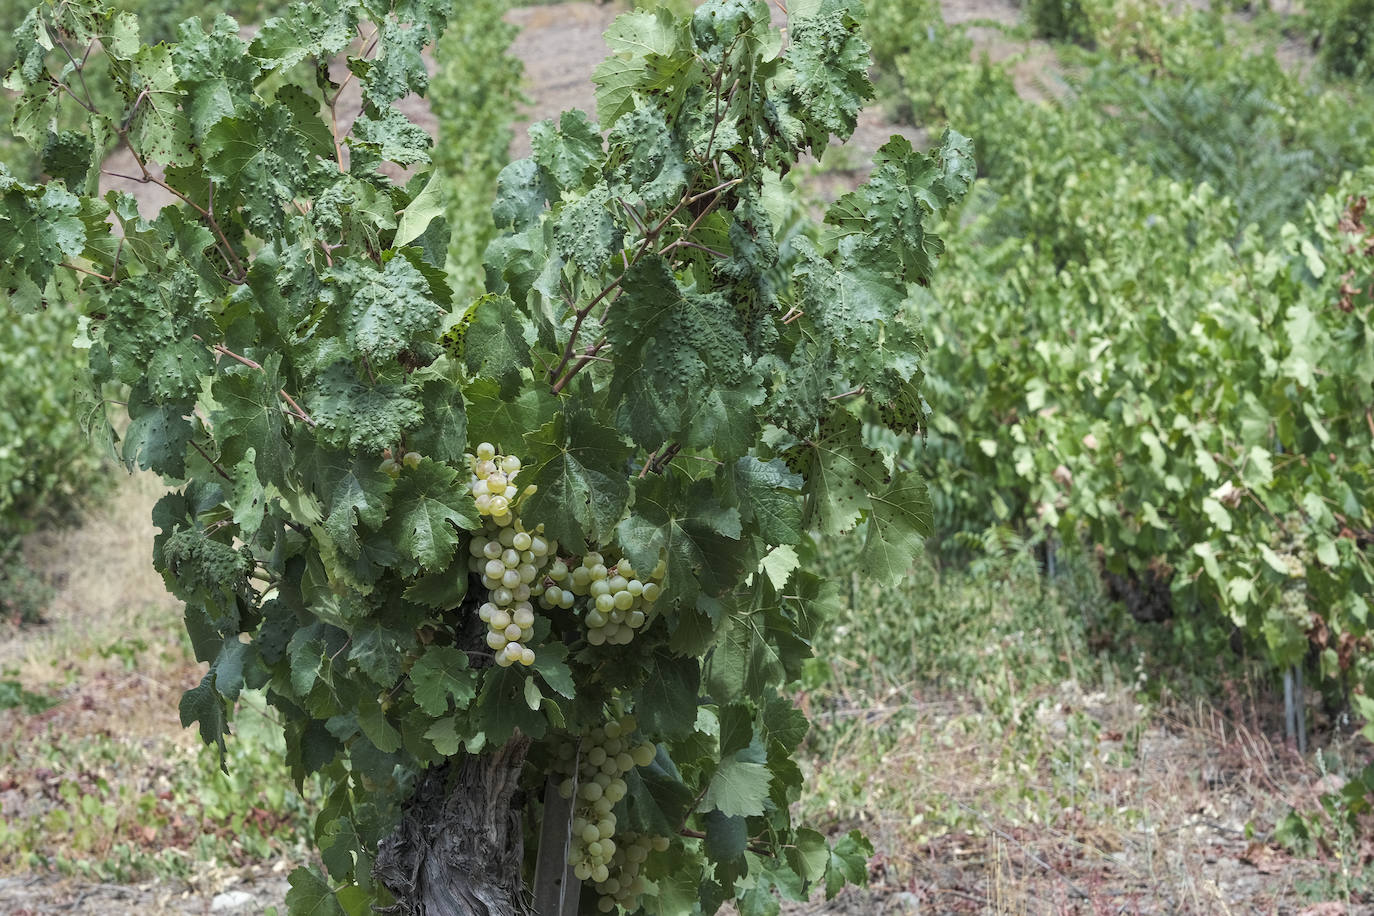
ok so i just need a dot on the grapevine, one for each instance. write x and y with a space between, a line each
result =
673 360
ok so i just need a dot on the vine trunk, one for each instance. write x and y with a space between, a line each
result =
459 847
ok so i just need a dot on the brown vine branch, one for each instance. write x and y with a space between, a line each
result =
588 356
85 271
90 104
683 243
660 463
754 847
221 348
582 314
644 468
223 245
846 394
213 463
75 98
298 413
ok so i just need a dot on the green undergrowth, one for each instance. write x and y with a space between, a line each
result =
981 660
973 699
1154 330
108 808
99 781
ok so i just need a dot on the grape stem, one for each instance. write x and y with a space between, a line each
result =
659 463
756 848
213 463
588 356
85 271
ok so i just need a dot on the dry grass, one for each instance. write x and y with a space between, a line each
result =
110 610
106 785
998 768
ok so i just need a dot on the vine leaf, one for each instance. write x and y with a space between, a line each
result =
384 311
667 701
43 229
685 525
203 704
310 895
579 472
830 63
570 153
886 216
441 674
649 53
672 348
250 418
492 339
900 520
429 509
840 472
739 786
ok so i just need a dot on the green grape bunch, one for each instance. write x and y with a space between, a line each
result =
618 603
594 771
624 885
508 558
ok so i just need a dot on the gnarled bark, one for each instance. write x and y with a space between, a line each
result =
459 848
